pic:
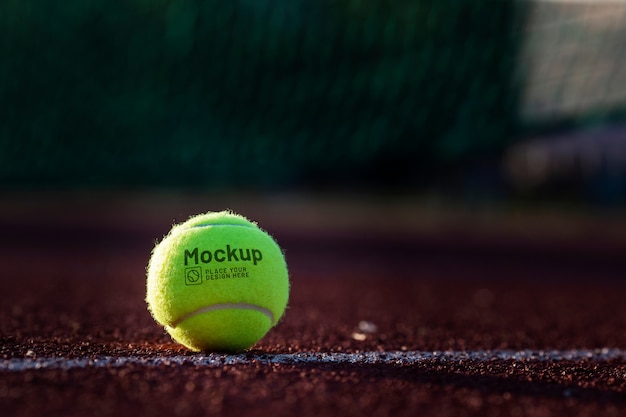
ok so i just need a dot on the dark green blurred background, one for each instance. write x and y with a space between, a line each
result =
269 94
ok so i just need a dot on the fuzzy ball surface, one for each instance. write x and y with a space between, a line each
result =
217 282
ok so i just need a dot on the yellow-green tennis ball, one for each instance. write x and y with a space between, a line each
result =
217 282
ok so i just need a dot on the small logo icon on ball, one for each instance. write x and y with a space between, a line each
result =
193 276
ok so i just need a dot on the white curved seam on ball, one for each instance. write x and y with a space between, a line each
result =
225 306
223 224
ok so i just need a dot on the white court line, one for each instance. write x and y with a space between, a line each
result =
397 358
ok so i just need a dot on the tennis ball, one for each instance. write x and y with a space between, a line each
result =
217 282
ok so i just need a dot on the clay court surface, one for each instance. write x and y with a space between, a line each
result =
399 307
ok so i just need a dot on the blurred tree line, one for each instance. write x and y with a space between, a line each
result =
258 93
